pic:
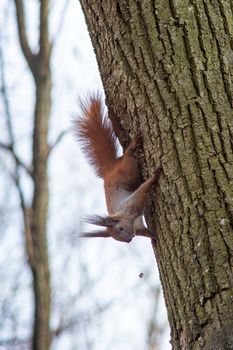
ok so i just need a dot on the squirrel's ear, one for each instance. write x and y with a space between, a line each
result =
95 234
145 232
107 221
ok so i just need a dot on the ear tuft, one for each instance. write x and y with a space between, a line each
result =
107 221
95 234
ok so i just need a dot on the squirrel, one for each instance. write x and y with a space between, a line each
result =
125 192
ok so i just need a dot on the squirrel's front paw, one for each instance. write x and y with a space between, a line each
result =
157 174
136 142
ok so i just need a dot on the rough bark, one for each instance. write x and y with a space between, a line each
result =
167 70
35 216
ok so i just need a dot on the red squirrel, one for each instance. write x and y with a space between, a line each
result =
124 191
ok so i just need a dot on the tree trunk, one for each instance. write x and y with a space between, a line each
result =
35 217
39 263
167 71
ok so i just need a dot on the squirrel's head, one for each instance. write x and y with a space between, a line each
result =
118 228
123 231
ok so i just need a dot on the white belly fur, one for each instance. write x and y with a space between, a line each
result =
138 223
117 201
117 204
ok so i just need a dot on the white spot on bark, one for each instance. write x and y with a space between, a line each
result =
223 222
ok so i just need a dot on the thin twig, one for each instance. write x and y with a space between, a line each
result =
11 146
61 21
59 138
18 161
10 129
14 341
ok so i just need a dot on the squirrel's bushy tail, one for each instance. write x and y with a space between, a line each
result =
95 133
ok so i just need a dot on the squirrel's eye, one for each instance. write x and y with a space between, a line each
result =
121 228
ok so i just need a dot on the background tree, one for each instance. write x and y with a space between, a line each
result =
166 68
36 213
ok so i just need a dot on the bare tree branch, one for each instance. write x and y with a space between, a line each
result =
74 321
5 98
44 43
16 342
154 329
61 21
57 141
30 57
18 161
11 146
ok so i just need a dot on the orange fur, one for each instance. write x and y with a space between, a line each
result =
95 133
